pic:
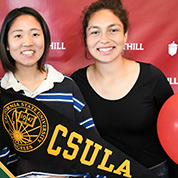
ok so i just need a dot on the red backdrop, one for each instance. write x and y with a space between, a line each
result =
153 26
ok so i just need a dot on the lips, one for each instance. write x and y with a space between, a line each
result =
105 50
28 52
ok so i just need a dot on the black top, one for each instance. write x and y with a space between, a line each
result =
129 123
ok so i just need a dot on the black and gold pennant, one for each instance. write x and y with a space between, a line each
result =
40 134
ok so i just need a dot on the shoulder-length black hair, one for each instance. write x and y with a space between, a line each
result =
7 61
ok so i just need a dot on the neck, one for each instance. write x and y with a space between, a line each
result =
30 78
27 75
111 69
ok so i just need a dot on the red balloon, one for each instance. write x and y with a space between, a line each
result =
167 127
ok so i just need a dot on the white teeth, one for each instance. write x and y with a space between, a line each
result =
28 52
104 49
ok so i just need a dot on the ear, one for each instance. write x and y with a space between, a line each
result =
7 48
125 36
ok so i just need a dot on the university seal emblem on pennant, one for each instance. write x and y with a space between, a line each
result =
26 124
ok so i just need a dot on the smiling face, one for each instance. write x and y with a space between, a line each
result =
26 41
105 36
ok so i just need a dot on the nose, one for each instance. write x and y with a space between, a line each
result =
27 41
104 38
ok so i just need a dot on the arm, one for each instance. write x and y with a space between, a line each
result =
162 90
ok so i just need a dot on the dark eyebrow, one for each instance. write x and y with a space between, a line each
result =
20 30
95 27
16 31
35 29
112 25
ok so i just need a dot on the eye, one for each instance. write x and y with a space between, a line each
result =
36 34
113 31
18 36
95 33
